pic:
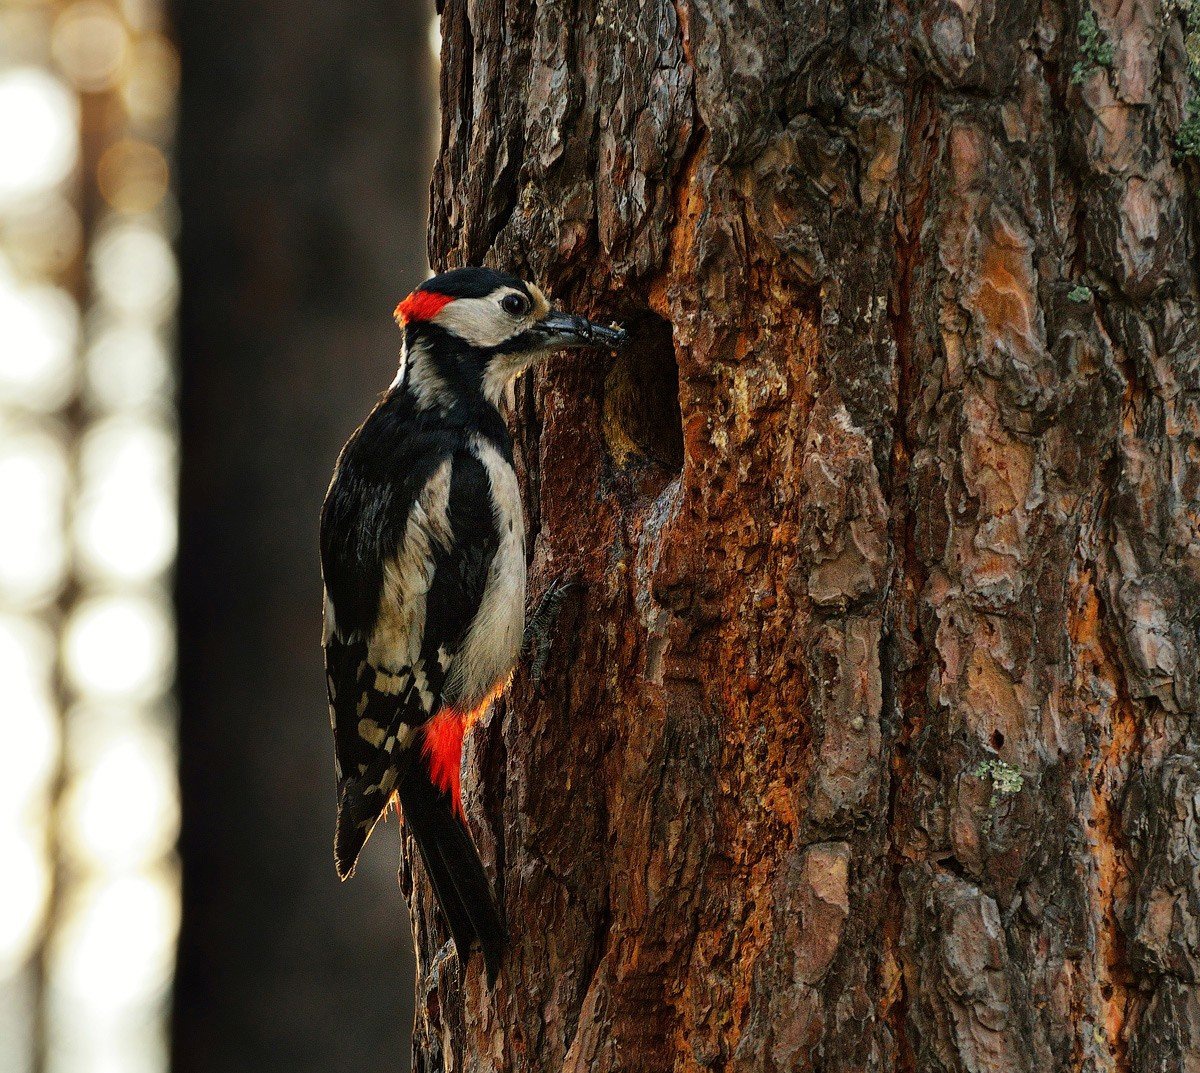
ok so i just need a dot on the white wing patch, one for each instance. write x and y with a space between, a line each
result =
395 644
329 621
482 667
484 663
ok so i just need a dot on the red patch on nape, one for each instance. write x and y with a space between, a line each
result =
442 750
421 305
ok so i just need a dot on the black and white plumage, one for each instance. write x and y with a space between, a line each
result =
423 558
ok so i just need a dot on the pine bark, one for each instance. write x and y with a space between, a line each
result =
866 739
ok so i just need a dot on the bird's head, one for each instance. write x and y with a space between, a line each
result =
476 330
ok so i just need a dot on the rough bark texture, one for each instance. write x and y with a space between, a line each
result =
866 741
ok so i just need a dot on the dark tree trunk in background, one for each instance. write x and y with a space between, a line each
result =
868 740
303 154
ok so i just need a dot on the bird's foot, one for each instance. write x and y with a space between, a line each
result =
541 623
439 959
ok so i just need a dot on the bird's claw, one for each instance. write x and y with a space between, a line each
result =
541 623
434 972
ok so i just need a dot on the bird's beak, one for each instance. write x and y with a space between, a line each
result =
558 330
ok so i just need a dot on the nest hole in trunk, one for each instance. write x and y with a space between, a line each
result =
642 419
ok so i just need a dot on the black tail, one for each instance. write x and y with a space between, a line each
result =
454 868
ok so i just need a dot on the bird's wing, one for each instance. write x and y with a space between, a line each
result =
387 680
460 571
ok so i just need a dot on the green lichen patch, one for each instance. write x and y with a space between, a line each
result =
1080 293
1006 779
1095 48
1190 10
1191 43
1187 138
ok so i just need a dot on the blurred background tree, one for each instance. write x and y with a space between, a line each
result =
304 149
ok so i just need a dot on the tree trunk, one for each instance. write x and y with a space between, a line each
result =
866 740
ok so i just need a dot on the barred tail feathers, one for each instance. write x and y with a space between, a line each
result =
361 804
428 784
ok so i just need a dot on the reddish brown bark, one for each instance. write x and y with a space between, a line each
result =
866 742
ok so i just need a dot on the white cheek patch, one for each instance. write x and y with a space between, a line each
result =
477 321
505 368
481 322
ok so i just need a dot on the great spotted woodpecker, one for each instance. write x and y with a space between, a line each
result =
423 558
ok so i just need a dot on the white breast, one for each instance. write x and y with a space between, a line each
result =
484 663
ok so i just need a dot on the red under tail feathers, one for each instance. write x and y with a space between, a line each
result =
443 753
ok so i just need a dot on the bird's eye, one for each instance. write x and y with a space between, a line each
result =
515 305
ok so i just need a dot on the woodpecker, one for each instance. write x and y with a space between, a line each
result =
423 560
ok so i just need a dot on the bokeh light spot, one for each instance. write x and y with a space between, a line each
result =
134 270
122 811
125 523
39 130
89 43
127 367
39 326
23 896
42 236
33 487
28 719
152 81
119 646
109 973
132 176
